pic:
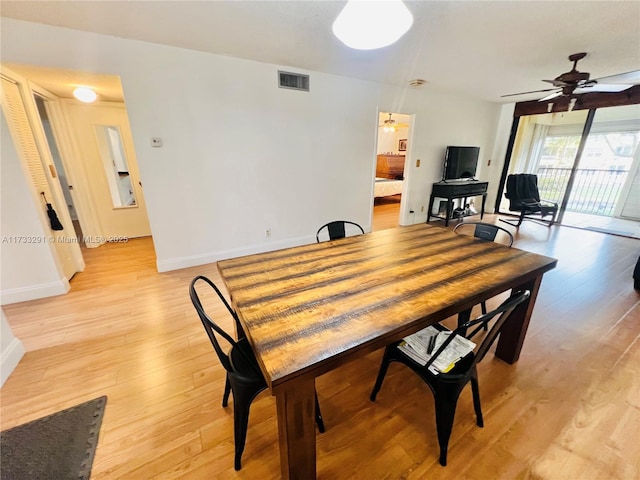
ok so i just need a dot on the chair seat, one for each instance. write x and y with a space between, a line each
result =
461 367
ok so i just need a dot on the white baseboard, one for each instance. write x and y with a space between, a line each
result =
33 292
11 356
212 257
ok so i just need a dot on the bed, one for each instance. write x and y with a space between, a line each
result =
385 187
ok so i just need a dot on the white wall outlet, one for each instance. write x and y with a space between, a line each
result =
267 233
422 208
156 142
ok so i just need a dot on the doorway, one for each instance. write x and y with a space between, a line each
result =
63 179
390 183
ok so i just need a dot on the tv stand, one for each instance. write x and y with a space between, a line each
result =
451 190
458 180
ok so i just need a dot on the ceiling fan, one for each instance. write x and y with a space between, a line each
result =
574 82
390 125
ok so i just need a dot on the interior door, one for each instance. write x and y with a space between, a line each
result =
107 155
14 107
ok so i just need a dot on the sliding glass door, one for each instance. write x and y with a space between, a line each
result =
547 145
587 162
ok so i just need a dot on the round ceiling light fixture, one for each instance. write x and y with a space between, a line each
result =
85 94
367 24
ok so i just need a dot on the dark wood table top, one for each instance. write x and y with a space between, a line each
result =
307 309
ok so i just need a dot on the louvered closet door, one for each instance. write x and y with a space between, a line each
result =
23 138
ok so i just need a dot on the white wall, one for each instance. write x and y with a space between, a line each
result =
240 155
27 266
11 349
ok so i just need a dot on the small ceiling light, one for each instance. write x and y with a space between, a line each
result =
85 94
369 24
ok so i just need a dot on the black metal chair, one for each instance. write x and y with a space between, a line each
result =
446 387
337 230
244 377
524 197
489 232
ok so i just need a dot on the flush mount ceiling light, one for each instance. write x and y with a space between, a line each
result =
389 125
368 24
85 94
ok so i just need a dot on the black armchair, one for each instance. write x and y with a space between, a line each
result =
524 197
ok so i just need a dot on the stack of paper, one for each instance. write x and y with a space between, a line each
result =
421 345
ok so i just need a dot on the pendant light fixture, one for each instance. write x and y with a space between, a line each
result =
370 24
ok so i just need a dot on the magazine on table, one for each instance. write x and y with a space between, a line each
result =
421 345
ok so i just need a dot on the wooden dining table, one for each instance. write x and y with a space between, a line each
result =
307 310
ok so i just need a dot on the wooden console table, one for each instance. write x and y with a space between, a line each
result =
456 189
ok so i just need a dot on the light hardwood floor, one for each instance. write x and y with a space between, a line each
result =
568 409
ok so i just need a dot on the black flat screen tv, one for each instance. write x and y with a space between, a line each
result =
460 162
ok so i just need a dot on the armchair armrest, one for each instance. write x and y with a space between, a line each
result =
549 203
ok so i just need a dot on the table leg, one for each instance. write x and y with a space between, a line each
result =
515 329
449 212
431 199
296 430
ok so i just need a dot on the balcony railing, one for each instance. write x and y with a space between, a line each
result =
594 191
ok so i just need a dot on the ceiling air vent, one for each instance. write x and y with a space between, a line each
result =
294 81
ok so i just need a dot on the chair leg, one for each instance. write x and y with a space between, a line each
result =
381 373
319 419
464 317
242 399
520 219
483 308
475 390
445 413
227 391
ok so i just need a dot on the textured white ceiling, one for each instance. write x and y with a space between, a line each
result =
482 49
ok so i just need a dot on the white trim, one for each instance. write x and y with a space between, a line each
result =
33 292
10 359
212 257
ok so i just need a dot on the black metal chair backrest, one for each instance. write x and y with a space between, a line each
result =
486 231
479 323
211 327
336 229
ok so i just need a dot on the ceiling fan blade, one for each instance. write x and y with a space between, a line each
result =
603 88
532 91
551 96
631 78
558 83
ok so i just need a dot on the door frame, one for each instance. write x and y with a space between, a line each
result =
406 186
82 201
